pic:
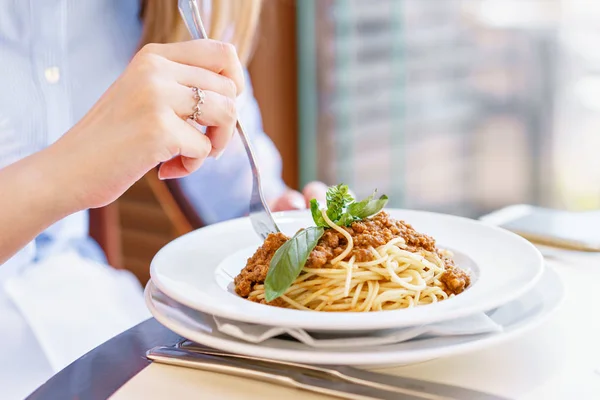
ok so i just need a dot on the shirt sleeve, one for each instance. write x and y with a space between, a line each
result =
221 189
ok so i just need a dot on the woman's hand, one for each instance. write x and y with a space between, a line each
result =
293 200
140 121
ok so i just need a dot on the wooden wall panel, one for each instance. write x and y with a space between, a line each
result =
105 229
274 75
145 228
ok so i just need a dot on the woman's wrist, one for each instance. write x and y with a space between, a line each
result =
53 183
34 197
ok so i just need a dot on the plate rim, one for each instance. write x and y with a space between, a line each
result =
379 323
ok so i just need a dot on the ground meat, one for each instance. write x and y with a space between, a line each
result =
257 266
454 279
372 232
324 251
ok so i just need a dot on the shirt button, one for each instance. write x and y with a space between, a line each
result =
52 74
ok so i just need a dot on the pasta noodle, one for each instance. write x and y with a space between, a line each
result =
395 278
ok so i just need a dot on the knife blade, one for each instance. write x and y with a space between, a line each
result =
409 386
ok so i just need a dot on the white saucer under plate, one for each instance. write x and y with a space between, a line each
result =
515 317
197 270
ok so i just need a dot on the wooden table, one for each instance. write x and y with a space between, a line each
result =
558 360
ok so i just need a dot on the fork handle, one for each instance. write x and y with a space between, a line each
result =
190 12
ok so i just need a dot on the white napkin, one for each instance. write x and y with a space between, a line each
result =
472 325
475 324
73 304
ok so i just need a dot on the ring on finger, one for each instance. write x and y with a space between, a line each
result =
199 96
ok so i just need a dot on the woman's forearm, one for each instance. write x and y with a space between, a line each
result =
138 124
33 195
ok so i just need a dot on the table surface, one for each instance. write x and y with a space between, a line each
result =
558 360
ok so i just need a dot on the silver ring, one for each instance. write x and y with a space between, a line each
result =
199 96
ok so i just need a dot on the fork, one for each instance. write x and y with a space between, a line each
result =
260 214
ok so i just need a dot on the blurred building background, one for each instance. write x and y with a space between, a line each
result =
456 106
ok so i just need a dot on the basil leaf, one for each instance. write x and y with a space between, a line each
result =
367 207
316 214
338 198
346 220
288 261
343 210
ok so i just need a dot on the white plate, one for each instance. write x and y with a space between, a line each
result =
515 317
191 271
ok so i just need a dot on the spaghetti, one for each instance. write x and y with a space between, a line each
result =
390 276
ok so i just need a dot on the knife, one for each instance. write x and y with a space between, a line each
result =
270 373
415 387
315 378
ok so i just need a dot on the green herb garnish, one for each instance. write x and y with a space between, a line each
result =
367 207
343 210
289 259
316 214
338 199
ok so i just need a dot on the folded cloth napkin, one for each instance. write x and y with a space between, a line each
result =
475 324
472 325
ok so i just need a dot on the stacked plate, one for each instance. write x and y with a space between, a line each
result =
191 292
